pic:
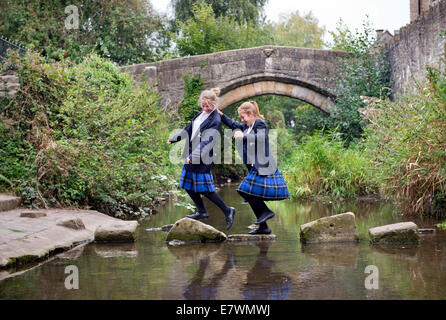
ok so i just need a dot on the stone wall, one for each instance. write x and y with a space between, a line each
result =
417 7
9 84
416 46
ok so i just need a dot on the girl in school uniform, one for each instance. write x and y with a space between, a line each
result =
196 177
264 181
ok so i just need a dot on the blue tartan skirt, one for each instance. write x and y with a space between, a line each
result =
269 188
197 182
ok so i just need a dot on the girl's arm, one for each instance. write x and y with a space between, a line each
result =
229 122
182 135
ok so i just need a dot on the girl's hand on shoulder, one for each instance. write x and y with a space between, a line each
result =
238 134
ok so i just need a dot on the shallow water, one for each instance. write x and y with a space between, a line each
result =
282 269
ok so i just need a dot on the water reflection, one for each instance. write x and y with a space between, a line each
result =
336 254
114 250
207 290
278 285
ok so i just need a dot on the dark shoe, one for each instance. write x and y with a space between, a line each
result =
199 215
260 231
265 217
230 218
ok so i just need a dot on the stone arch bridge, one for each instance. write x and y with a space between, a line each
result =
304 74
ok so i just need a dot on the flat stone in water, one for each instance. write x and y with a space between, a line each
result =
153 229
248 237
333 229
176 243
397 233
167 228
426 231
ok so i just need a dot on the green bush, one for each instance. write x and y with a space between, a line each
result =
85 135
406 140
322 166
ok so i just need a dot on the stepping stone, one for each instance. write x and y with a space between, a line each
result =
398 233
191 230
9 202
116 232
167 228
33 214
426 231
338 228
248 237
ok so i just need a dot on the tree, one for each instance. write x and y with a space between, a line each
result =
363 72
206 33
299 31
125 32
239 10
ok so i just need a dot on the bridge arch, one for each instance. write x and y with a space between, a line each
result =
275 84
301 73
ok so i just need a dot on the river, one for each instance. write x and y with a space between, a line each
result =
281 269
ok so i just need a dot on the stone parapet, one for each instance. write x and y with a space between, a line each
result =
9 85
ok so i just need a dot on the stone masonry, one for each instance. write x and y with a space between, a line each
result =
9 84
305 74
416 46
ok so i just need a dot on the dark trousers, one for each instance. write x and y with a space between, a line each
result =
258 206
212 196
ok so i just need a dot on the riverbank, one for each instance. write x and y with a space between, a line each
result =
34 235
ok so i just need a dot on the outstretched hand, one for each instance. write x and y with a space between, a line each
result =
238 134
219 112
168 141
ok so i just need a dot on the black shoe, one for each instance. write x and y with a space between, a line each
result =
199 215
260 231
265 217
230 218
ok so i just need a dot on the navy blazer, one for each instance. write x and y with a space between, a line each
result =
201 147
255 146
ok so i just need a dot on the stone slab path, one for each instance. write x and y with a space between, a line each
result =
24 240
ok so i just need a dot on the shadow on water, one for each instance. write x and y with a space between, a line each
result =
280 269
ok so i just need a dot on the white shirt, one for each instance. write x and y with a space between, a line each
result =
197 123
250 129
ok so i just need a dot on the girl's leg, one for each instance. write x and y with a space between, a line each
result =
228 211
258 207
215 198
196 198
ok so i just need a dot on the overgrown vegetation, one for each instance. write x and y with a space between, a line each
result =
126 32
84 135
322 166
406 141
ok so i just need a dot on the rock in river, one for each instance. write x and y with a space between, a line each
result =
403 232
192 230
338 228
124 231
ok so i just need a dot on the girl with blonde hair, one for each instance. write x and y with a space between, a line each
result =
196 177
264 181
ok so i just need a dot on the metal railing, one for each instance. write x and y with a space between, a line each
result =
6 44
